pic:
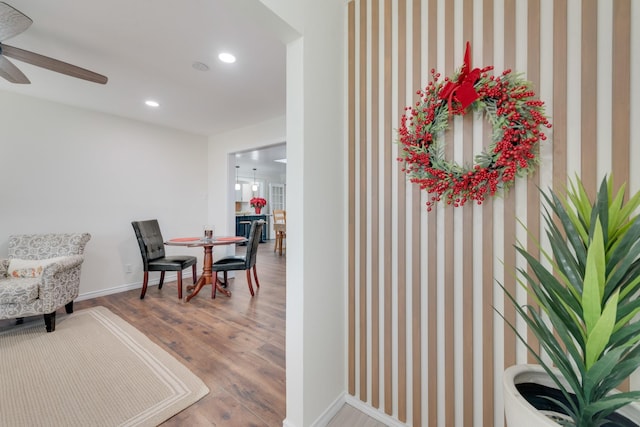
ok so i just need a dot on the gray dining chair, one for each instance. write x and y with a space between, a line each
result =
245 262
154 258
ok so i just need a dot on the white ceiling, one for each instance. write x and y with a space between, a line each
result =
264 160
146 48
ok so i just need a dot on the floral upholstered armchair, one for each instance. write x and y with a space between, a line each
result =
40 275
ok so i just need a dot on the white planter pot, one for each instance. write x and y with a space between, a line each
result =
520 413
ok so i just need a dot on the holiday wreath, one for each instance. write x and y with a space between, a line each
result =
507 101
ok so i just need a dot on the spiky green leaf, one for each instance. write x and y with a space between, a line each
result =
598 338
594 280
589 294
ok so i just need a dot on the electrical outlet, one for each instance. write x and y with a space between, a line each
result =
127 268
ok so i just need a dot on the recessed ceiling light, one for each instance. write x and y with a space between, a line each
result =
151 103
227 57
281 160
200 66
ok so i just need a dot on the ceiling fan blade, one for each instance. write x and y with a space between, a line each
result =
12 21
11 73
52 64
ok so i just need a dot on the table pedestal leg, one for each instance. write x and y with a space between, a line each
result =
207 276
221 288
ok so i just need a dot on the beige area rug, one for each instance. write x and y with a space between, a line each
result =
95 369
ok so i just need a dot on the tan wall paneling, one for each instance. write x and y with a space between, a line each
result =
509 220
362 199
621 88
415 229
425 344
401 219
351 111
374 182
467 248
388 224
451 62
559 141
432 274
488 315
589 95
621 82
533 195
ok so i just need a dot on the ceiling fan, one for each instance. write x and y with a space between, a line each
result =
12 23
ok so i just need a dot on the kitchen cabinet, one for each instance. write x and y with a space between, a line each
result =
243 229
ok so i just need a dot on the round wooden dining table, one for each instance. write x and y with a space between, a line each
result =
207 273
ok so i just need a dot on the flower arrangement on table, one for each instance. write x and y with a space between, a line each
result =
508 103
258 202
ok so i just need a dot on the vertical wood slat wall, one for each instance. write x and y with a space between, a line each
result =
425 344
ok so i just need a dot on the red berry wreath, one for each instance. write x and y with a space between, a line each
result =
507 102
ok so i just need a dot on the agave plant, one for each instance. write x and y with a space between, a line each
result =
590 297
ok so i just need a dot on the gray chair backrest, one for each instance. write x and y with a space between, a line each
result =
149 239
254 241
43 246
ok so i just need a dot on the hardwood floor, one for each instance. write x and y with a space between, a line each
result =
235 345
351 417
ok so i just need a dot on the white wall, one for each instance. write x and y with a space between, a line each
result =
316 194
112 187
70 170
222 169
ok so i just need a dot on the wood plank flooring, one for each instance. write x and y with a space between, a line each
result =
235 345
348 416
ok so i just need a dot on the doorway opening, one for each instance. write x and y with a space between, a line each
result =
261 172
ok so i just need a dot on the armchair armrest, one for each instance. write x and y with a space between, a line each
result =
4 267
60 282
64 264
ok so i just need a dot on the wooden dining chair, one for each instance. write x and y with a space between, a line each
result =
245 262
153 256
280 227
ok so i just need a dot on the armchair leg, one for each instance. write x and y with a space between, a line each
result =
249 282
69 307
179 277
161 280
194 274
145 281
50 321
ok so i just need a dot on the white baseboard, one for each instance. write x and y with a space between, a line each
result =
330 412
129 286
325 417
374 413
361 406
110 291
